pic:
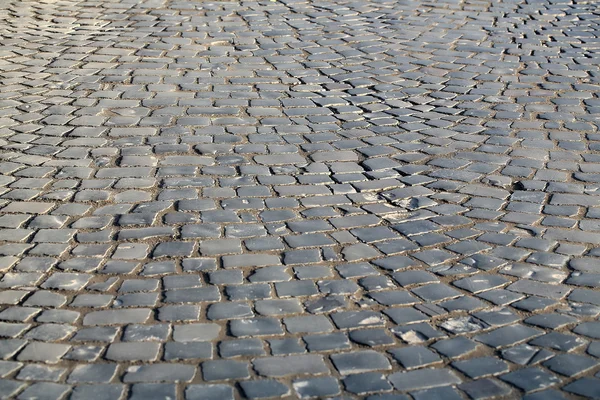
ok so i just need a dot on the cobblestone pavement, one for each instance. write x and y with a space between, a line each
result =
300 199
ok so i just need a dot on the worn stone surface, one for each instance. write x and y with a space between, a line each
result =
312 199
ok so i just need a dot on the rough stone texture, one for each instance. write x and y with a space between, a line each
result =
376 199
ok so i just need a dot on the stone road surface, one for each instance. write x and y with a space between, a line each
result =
382 199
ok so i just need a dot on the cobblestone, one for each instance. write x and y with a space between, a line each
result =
219 200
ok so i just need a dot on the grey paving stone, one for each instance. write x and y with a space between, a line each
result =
229 310
455 347
415 356
187 350
133 351
50 353
371 337
200 332
366 383
531 379
423 379
508 335
316 387
255 327
526 355
286 346
264 389
587 387
10 387
484 388
357 319
150 390
224 369
33 372
360 361
44 390
110 317
142 333
289 365
481 367
100 373
329 341
160 373
308 324
559 341
588 329
102 391
241 347
570 364
209 392
445 392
